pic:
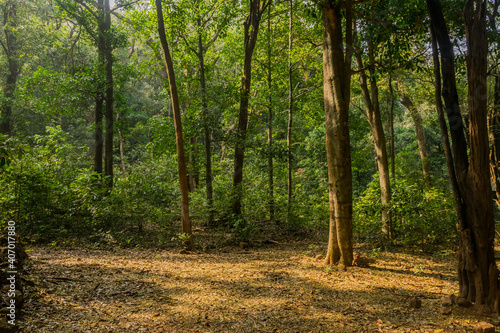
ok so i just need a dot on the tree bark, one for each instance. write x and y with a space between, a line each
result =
419 129
337 75
10 48
477 272
251 30
372 107
181 159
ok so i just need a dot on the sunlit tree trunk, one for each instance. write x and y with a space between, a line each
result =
181 159
337 75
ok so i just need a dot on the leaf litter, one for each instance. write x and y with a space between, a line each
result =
274 288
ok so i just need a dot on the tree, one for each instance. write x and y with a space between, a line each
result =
95 18
251 30
181 159
11 49
373 115
336 85
477 271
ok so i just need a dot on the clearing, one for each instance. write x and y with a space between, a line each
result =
270 288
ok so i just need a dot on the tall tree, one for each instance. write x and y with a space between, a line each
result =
477 271
95 18
181 159
251 30
11 49
337 59
372 107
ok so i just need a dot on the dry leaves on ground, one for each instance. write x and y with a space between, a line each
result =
275 288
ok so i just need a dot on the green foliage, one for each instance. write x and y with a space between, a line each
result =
420 216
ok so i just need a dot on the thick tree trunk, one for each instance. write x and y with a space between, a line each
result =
337 75
477 272
181 159
270 166
290 116
251 26
422 145
10 48
372 107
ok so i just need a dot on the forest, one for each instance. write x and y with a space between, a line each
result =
249 166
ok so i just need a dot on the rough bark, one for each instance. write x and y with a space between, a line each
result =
251 30
477 272
181 159
372 107
10 49
337 75
419 129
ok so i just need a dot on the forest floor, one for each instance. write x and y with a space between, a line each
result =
265 288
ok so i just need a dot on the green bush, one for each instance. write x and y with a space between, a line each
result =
420 216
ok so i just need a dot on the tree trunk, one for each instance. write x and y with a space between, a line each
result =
290 116
337 75
251 27
444 130
206 130
270 166
372 107
108 148
419 129
477 272
10 48
181 159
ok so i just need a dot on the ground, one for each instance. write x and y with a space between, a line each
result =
265 288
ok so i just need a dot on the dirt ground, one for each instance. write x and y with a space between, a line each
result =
267 288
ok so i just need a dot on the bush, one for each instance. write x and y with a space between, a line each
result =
420 216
